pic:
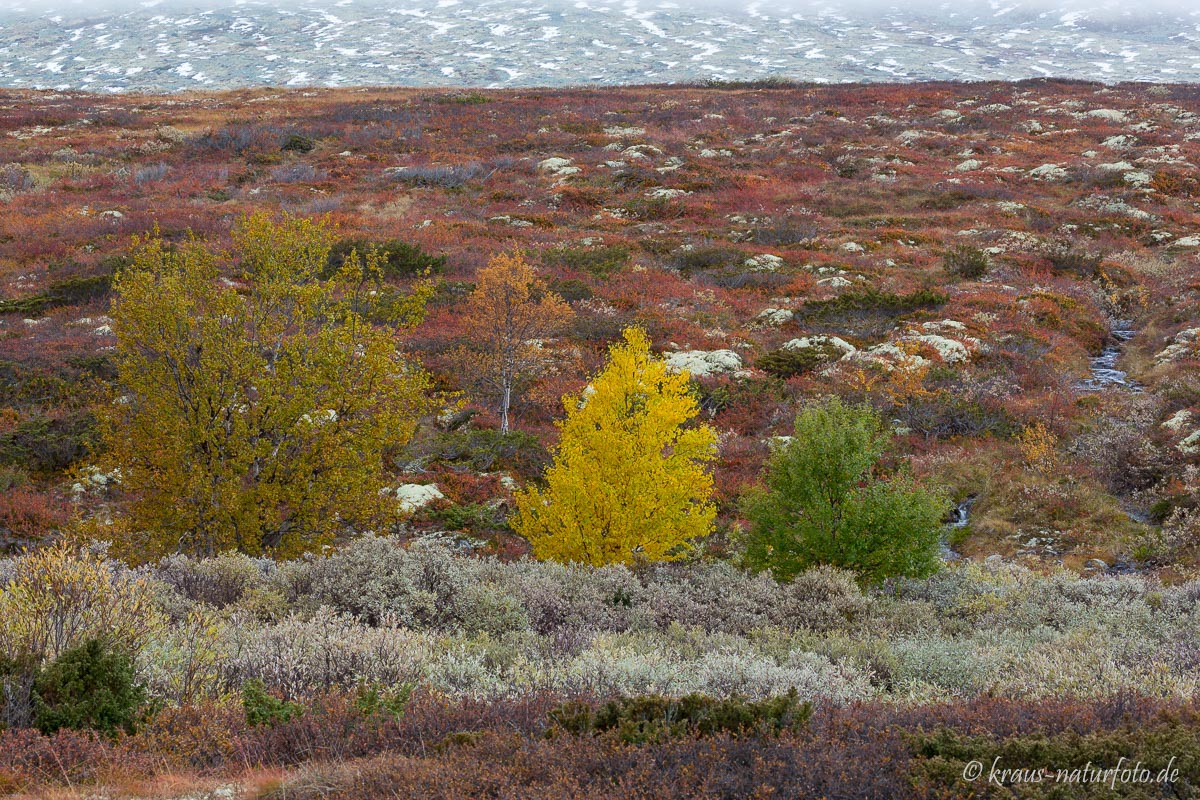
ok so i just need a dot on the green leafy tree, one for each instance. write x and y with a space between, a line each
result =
826 503
259 399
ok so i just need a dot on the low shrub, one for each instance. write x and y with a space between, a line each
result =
654 718
443 176
264 709
45 444
89 687
786 362
484 450
965 261
866 313
400 259
599 262
70 292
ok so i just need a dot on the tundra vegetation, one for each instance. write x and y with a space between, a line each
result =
574 443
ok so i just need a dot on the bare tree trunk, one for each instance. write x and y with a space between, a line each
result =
504 407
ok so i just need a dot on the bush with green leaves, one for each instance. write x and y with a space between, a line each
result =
89 687
966 261
599 262
264 709
825 502
655 718
787 362
397 258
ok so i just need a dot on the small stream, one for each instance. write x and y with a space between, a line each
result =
960 517
1104 366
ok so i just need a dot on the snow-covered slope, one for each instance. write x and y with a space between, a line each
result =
171 45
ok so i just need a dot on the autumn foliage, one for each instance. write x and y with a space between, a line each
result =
254 414
506 320
628 480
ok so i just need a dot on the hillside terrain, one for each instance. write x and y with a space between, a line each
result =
958 255
1005 272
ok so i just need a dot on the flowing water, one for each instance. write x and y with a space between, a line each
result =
1104 366
960 517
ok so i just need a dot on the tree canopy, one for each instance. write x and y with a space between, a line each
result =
629 480
258 399
825 502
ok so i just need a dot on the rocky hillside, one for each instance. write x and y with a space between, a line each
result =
1006 270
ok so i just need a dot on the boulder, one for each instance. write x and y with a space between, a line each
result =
828 343
703 363
413 496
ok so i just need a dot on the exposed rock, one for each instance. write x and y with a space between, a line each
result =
951 351
662 193
763 262
821 342
703 363
412 496
1182 345
774 317
1048 172
559 166
1138 178
944 324
554 164
1108 114
890 356
1177 421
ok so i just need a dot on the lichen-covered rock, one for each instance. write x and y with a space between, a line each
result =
1177 421
763 262
834 343
1183 344
413 496
774 317
559 166
1048 172
949 350
663 193
703 363
890 356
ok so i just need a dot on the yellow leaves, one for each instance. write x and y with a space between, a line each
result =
62 595
257 412
1037 443
628 480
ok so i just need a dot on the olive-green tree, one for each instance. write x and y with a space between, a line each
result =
258 398
825 502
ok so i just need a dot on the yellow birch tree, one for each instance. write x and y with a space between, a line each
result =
628 481
506 318
256 411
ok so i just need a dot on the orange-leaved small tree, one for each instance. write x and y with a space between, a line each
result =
507 316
